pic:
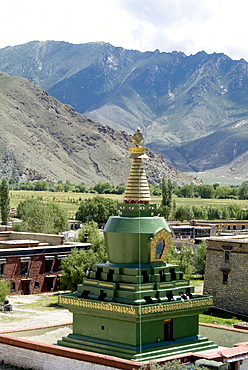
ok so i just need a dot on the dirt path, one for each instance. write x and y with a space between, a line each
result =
26 314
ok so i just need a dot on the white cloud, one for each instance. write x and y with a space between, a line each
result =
186 25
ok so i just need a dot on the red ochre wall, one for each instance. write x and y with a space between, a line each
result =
36 274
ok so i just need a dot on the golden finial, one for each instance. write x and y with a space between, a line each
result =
137 138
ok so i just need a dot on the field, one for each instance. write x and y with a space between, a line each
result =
70 201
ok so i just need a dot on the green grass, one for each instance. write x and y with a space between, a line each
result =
43 303
215 320
208 202
70 201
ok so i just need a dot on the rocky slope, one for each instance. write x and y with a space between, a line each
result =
41 138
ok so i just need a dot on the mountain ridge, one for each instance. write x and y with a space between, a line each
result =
192 109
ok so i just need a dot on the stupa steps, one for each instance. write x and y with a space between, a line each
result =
160 350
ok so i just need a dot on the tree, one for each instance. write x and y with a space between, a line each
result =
206 191
199 213
234 211
172 256
41 185
120 189
41 217
4 201
67 186
103 188
4 289
98 209
80 188
183 213
75 265
186 191
214 213
243 190
155 190
186 260
224 192
163 211
200 257
167 192
94 237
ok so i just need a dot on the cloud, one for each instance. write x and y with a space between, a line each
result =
186 25
190 25
167 13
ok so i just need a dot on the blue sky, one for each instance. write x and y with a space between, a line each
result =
183 25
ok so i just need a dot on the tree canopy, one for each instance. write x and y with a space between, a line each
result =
75 265
98 209
243 190
4 289
41 217
4 201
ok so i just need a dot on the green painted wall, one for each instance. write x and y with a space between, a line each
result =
185 326
105 328
123 248
117 330
151 331
127 238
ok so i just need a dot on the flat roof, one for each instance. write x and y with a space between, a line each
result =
41 250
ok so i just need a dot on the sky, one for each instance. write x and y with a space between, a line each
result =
189 26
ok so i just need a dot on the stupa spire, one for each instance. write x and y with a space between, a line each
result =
137 190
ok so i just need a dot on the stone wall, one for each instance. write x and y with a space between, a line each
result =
37 356
41 361
223 336
226 273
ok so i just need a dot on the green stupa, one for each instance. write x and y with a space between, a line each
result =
136 306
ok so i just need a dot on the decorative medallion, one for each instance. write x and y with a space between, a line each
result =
160 244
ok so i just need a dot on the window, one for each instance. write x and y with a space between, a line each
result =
59 258
227 256
2 264
225 277
49 264
36 285
225 273
12 286
24 265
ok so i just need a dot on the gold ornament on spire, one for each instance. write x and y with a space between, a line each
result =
137 190
137 138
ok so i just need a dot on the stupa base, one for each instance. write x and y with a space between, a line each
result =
136 353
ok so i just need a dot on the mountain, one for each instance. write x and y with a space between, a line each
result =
41 138
192 109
